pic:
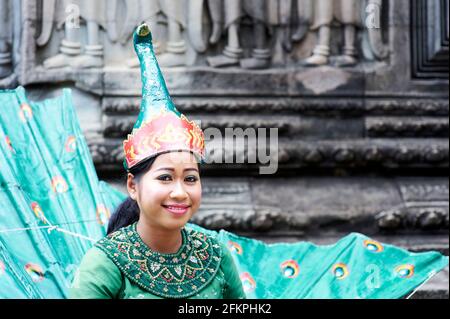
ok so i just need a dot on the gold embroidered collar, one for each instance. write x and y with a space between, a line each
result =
178 275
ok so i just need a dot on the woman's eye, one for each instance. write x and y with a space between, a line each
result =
165 178
191 179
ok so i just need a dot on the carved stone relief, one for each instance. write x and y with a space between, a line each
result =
174 15
86 28
348 14
425 206
232 14
66 13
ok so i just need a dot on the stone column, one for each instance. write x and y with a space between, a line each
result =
5 39
70 46
235 10
261 55
92 12
232 12
346 12
174 53
216 11
70 54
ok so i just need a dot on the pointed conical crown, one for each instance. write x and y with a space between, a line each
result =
160 127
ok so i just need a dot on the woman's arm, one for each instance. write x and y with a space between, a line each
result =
96 278
233 289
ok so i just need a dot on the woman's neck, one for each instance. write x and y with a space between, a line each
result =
159 240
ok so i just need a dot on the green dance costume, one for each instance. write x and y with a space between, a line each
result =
122 266
55 211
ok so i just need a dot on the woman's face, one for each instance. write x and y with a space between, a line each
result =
169 194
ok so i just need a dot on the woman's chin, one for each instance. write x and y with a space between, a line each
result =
176 223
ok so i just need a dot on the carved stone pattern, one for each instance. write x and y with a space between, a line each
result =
370 152
435 107
414 218
384 153
245 219
106 152
429 218
407 127
424 192
228 190
121 126
266 105
408 107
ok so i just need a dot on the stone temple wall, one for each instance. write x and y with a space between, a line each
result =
358 90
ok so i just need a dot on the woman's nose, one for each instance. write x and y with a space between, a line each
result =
178 192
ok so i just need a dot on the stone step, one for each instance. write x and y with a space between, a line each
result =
300 105
436 288
303 127
281 155
396 126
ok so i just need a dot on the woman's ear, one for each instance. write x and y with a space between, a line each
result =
131 186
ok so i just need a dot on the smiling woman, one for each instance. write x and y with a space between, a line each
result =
149 252
167 195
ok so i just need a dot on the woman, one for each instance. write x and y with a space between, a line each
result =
149 252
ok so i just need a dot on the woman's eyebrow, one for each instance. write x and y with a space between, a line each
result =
172 169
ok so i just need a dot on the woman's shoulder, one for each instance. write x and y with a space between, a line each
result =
96 277
94 253
96 258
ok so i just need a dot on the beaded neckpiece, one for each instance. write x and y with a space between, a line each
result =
178 275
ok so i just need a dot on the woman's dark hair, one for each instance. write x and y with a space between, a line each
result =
128 211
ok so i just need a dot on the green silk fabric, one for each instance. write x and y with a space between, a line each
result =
54 209
47 178
306 271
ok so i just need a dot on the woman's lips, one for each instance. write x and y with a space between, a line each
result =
177 209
